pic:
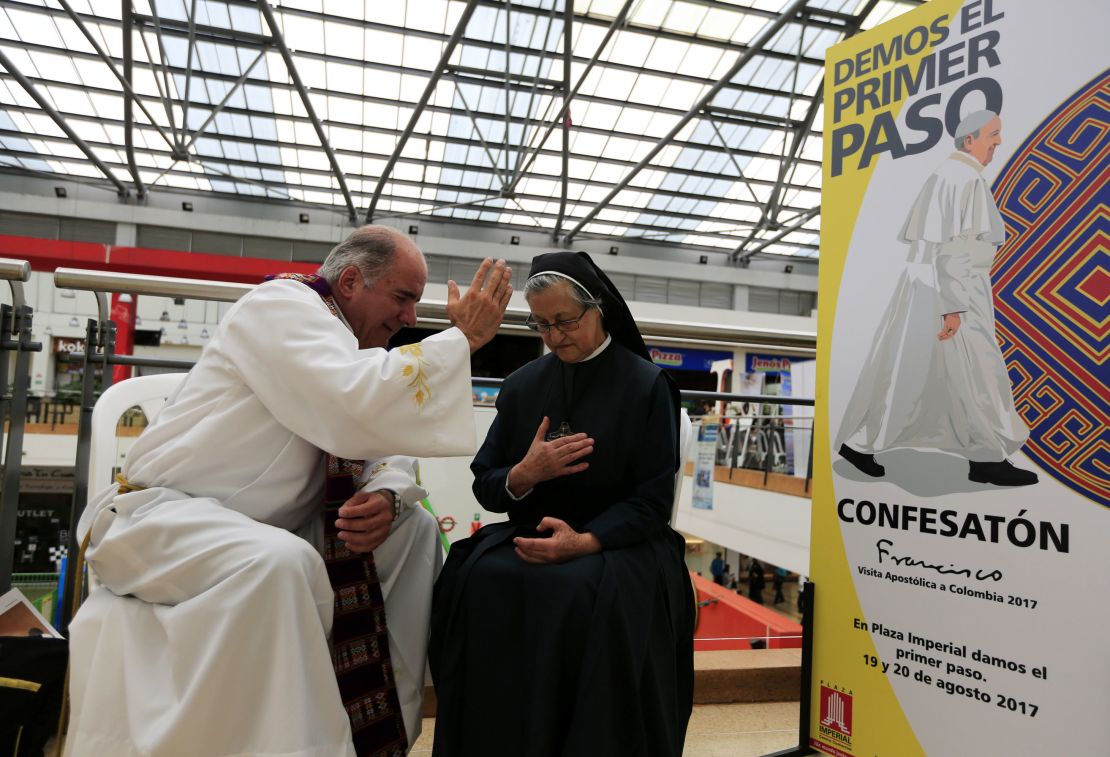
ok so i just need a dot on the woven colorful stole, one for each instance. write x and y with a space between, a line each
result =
359 642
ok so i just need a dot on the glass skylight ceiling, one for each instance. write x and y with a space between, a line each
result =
218 109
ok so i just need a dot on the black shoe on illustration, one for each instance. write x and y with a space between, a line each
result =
863 462
1000 474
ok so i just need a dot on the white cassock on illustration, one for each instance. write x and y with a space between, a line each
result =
921 393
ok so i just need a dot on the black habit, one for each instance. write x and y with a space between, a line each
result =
589 657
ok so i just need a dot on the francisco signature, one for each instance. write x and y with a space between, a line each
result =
883 545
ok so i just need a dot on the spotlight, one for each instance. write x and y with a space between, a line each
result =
204 333
703 260
514 240
165 315
187 207
614 250
182 324
60 192
73 322
304 217
788 269
413 230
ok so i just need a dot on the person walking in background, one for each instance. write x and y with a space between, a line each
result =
717 569
778 579
756 582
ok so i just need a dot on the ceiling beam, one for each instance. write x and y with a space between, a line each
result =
444 59
446 165
58 119
291 66
226 36
756 46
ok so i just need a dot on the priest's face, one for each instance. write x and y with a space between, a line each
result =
990 136
567 331
379 311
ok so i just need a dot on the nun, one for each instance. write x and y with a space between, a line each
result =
568 629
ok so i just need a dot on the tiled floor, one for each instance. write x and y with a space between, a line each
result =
716 730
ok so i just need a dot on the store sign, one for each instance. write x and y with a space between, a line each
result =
681 359
68 345
767 363
39 479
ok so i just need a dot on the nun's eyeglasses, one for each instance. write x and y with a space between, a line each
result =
563 326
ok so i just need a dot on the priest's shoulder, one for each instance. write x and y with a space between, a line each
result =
279 290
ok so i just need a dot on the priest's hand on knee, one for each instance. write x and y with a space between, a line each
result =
546 460
478 313
950 327
364 521
564 544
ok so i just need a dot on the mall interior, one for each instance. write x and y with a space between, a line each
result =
160 158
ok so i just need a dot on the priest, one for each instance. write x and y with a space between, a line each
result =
235 614
935 377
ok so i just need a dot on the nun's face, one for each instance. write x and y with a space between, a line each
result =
566 330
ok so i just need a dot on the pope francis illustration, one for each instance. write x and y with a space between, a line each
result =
935 378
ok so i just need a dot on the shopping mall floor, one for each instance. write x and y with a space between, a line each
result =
716 730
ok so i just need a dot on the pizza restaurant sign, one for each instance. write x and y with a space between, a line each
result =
687 360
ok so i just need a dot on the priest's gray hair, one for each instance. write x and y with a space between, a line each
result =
369 248
544 281
971 124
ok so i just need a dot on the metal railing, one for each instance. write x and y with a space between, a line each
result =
15 336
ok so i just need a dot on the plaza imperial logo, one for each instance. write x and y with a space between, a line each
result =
835 725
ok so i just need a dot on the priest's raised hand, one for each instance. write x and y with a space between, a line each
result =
546 460
478 313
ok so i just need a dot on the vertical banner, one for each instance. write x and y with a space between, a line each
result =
705 462
962 460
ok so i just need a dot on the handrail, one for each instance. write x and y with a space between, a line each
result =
163 286
14 270
432 312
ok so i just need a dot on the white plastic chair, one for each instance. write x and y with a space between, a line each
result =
148 393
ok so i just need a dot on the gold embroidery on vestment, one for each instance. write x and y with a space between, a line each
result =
415 372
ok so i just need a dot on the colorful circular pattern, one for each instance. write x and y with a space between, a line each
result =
1052 289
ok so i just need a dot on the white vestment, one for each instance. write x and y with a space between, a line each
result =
915 391
208 636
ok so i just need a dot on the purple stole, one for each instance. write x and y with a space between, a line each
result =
359 640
